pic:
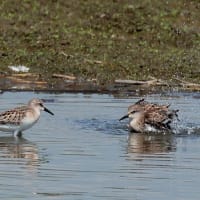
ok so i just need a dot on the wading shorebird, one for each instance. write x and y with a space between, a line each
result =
149 117
21 118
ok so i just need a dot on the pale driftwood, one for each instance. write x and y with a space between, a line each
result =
93 61
66 55
25 75
188 85
130 82
134 82
19 80
64 76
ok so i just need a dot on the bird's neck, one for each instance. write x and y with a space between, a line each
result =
137 122
36 112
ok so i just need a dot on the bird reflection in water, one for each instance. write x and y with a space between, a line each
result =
20 148
150 143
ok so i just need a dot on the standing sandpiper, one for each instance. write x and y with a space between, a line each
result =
149 117
21 118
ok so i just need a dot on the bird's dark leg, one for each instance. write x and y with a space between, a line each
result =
18 134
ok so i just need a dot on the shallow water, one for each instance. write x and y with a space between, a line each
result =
84 152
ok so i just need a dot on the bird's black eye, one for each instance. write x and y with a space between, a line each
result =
134 111
41 104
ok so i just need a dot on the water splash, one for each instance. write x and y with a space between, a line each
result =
111 126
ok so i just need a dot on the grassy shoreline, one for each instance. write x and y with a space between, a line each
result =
102 40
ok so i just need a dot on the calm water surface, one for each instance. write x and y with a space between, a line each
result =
84 152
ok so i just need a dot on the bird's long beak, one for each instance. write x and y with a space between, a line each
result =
46 110
124 117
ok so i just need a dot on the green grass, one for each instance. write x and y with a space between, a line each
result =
103 39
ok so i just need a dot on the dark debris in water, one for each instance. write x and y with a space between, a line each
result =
48 100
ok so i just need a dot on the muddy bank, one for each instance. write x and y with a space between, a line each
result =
67 83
